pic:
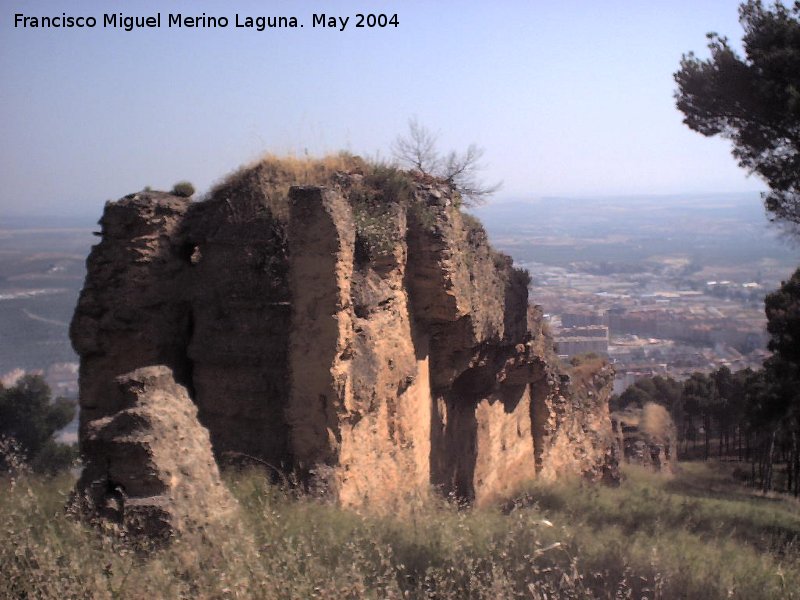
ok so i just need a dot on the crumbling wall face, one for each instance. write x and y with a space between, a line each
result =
504 452
360 404
474 305
458 285
482 430
240 306
321 244
578 438
132 311
201 288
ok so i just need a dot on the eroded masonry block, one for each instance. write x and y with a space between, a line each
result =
149 466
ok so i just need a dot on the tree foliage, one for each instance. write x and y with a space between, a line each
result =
773 393
418 150
783 368
659 390
783 319
28 416
754 101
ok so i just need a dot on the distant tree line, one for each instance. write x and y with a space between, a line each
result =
749 415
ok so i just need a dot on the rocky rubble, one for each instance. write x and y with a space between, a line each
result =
149 466
647 436
362 334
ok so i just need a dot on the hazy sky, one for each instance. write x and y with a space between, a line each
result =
567 97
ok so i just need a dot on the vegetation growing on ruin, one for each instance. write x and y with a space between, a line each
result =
375 198
418 151
376 191
267 181
698 535
184 189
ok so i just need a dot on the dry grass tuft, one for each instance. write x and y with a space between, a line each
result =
656 422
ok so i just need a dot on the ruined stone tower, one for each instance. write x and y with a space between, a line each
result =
361 332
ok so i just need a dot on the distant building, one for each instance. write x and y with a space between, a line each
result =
583 319
589 331
706 327
572 346
582 339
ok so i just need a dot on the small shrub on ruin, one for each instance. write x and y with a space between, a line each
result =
184 189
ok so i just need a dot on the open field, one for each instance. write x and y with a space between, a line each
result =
41 272
674 241
697 535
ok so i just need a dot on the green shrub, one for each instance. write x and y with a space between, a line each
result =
54 457
184 189
375 201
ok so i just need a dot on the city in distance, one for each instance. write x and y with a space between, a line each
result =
663 285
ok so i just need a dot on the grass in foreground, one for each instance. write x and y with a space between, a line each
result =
698 535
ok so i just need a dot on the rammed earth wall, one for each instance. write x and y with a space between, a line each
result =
376 350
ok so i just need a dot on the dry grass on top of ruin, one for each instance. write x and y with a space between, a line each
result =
376 191
269 178
696 535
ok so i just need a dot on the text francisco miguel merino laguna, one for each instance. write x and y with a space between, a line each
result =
203 21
